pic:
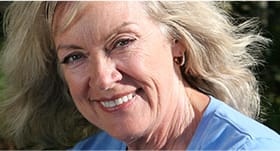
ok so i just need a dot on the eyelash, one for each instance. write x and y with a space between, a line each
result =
121 43
72 58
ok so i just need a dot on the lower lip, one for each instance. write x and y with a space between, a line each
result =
118 107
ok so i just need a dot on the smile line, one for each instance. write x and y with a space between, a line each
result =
118 101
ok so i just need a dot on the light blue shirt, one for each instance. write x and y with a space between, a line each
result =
221 128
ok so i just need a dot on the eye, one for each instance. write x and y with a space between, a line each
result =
123 42
72 58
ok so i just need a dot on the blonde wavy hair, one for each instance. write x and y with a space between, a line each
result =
38 110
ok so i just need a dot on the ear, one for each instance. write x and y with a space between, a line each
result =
179 57
178 49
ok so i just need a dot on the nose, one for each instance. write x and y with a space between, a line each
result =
103 74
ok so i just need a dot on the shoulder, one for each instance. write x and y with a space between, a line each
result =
100 141
224 128
261 144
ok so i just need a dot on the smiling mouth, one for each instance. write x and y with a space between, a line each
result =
117 102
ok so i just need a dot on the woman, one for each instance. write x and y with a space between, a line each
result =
147 74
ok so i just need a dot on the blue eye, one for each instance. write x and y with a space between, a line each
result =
71 58
123 42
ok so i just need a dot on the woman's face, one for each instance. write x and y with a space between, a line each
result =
119 68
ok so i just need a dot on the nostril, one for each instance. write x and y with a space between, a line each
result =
102 84
104 75
116 76
107 82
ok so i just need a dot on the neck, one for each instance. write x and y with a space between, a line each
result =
178 127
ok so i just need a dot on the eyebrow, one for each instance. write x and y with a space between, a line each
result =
67 47
62 46
115 30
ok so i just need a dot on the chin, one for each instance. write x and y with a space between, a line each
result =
127 134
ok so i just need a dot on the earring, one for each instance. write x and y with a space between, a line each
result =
180 60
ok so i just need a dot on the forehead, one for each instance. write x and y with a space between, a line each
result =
68 13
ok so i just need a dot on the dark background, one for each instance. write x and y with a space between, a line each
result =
269 74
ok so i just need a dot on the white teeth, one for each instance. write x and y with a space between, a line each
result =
111 104
130 96
125 99
119 101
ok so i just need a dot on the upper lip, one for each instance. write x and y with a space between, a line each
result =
115 96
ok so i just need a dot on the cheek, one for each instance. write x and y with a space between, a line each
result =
153 62
78 85
136 65
150 70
